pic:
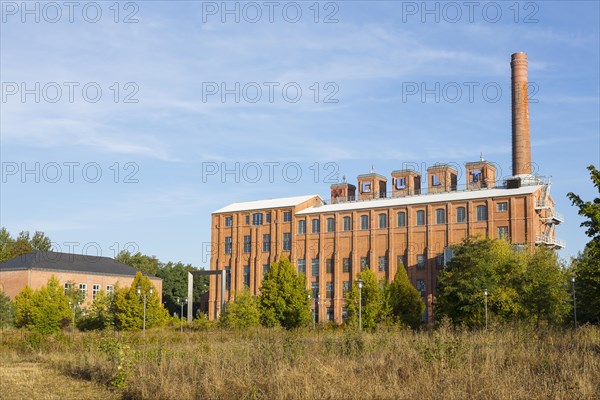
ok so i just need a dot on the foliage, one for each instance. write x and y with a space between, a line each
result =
7 312
372 309
49 307
147 264
175 284
22 304
519 284
128 306
586 267
99 314
23 244
404 300
284 298
74 295
242 313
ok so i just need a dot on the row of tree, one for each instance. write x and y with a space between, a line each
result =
51 307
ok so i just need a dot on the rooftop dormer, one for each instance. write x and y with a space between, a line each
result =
442 178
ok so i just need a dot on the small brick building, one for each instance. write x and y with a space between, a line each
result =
89 274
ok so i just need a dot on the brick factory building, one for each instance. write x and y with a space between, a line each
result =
90 274
368 226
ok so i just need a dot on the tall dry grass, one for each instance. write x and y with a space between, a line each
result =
518 362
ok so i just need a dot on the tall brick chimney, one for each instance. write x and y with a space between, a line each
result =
521 142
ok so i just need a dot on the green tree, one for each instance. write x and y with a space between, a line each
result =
99 314
22 245
284 298
372 307
49 307
586 267
7 312
74 295
40 242
23 305
480 264
242 313
544 294
128 306
175 285
11 248
404 300
147 264
6 245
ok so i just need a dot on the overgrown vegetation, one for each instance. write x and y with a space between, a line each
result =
508 361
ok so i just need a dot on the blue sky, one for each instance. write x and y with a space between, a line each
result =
170 133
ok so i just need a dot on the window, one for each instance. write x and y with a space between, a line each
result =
315 267
420 261
382 221
315 291
364 222
247 244
268 217
316 225
440 216
228 221
503 231
461 214
364 263
227 278
287 216
228 245
475 176
420 217
287 241
401 218
400 183
345 315
329 265
435 180
422 287
401 261
330 225
83 289
502 206
257 219
346 286
95 291
439 260
347 224
329 314
347 265
67 287
247 275
366 187
382 263
266 268
481 213
110 290
301 227
247 220
267 242
302 266
329 290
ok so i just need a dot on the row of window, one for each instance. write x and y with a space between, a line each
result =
440 218
440 213
95 289
257 218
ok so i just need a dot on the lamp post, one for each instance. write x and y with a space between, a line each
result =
574 302
317 303
360 286
74 308
313 312
143 295
181 303
485 293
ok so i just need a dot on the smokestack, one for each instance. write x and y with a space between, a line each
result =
521 142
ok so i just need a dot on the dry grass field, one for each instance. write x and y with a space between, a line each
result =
503 363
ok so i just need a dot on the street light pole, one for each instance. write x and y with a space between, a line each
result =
139 292
360 285
574 302
181 315
73 308
485 292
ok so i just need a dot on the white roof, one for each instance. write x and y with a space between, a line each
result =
271 203
420 199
